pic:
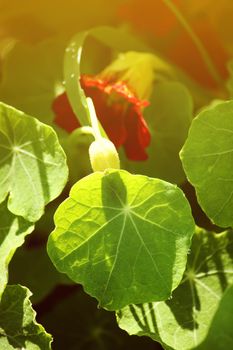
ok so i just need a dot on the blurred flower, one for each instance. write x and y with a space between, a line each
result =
163 29
119 94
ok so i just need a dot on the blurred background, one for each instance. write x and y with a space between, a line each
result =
153 20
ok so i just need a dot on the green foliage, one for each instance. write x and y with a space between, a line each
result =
220 335
169 116
32 77
13 230
33 165
18 327
207 157
183 321
124 237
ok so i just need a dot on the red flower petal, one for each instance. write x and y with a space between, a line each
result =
138 136
64 116
110 87
118 110
111 116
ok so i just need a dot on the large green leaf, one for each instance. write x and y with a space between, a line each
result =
124 237
18 327
220 336
32 77
169 116
13 230
33 168
182 322
207 158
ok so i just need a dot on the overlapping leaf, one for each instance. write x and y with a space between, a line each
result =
13 230
33 168
207 157
220 335
183 321
18 327
124 237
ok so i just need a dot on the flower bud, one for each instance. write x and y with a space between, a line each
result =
103 155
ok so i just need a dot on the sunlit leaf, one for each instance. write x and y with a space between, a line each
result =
183 321
18 327
207 157
220 335
33 168
13 230
124 237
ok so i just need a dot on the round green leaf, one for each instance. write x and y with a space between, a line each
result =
33 168
183 321
207 157
124 237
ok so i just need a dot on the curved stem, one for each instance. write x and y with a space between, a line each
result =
94 120
200 47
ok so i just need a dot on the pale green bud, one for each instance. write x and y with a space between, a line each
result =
103 155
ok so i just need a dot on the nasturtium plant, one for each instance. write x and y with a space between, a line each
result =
13 230
183 321
33 165
124 237
113 108
207 157
18 326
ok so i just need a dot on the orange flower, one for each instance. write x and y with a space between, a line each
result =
119 111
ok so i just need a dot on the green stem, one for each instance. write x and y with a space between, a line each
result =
94 120
200 47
